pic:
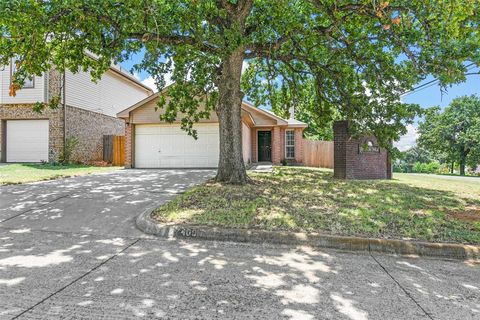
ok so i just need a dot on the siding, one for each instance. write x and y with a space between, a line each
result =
147 114
111 94
28 95
262 119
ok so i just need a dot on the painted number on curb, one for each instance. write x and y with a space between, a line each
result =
186 232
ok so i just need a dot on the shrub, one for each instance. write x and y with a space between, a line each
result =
402 167
70 145
417 167
444 168
431 167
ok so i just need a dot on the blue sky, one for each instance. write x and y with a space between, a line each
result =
430 96
425 97
135 58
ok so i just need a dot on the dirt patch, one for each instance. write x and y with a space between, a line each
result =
469 215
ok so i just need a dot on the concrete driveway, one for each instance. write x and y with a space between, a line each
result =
69 250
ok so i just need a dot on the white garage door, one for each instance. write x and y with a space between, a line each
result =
167 146
27 140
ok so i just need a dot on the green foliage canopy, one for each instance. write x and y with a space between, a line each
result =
330 58
454 132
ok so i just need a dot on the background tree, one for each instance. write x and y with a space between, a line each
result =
454 132
357 56
302 104
406 159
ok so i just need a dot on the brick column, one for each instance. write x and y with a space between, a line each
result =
276 145
353 160
340 137
54 84
299 145
58 126
128 145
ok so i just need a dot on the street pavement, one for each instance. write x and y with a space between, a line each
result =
69 249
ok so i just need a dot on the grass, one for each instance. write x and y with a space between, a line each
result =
22 173
431 208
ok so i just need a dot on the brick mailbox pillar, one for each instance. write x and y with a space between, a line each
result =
358 158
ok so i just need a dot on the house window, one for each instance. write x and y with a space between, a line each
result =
289 144
29 81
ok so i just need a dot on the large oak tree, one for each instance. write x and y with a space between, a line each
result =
345 58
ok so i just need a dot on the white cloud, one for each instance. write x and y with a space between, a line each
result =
150 82
244 66
408 140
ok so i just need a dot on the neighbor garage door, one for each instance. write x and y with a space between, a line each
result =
167 146
27 140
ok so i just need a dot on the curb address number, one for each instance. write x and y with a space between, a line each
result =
186 232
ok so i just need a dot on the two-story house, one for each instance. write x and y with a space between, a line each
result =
89 113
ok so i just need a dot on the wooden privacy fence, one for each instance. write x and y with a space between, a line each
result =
114 150
318 153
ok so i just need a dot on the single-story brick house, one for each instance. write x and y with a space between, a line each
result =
90 113
151 143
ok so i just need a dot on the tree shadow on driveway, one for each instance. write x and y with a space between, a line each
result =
205 280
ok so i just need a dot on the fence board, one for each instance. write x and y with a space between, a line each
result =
114 150
118 151
107 148
318 153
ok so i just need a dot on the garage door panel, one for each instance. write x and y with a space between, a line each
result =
168 146
27 140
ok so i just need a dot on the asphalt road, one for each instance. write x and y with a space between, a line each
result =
69 250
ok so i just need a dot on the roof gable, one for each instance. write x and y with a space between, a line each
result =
258 116
121 72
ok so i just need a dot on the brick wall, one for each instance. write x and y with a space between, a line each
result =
89 127
351 161
25 112
340 137
282 144
129 134
277 150
55 84
278 144
299 145
275 155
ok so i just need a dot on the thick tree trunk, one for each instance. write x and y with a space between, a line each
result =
462 165
231 168
452 169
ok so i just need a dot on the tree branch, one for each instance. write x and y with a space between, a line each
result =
173 40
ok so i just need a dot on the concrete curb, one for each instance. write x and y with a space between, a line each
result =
147 225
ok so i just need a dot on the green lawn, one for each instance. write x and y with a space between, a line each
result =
432 208
21 173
